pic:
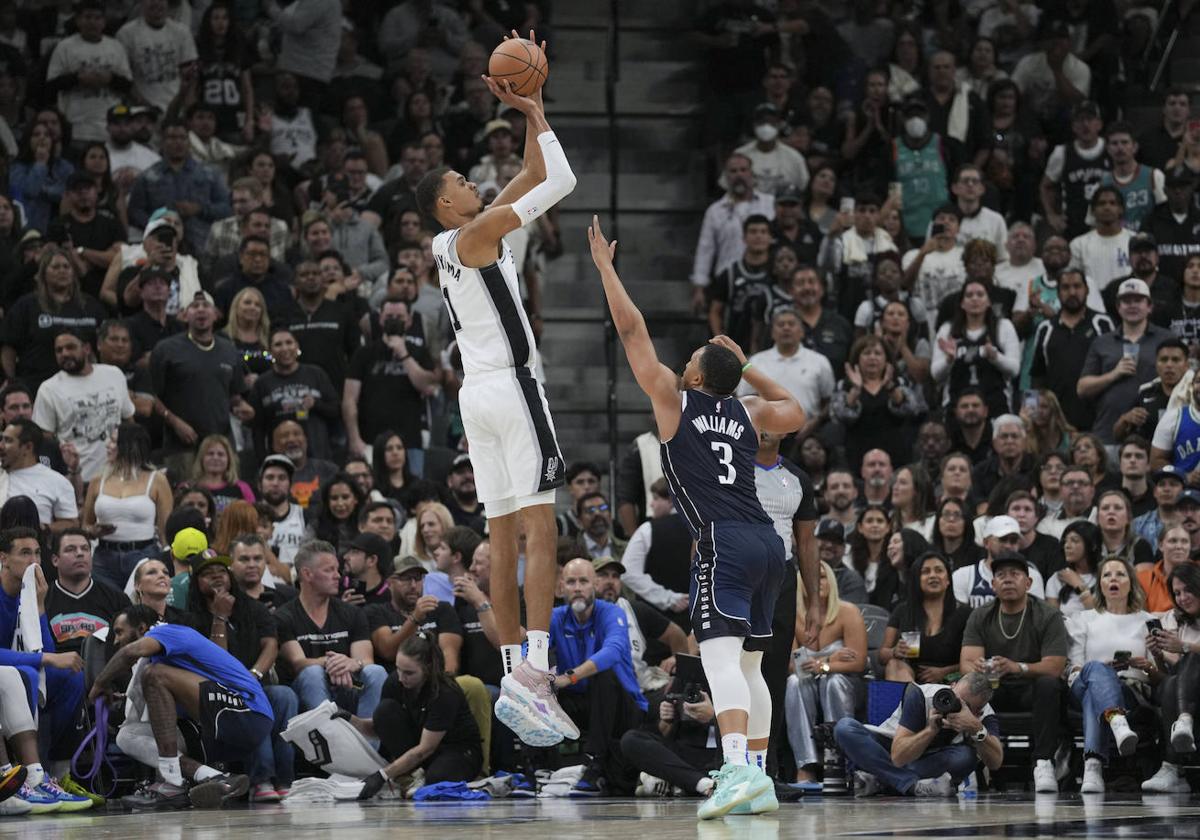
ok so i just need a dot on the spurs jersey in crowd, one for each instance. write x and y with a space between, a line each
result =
740 561
514 452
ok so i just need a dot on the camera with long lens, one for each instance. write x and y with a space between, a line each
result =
946 702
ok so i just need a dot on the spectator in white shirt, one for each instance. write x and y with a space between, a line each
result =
27 476
1102 254
775 163
806 374
640 545
1021 267
935 270
721 240
978 222
1053 78
159 48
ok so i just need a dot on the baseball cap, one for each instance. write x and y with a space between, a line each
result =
210 558
460 462
407 564
765 109
604 562
160 228
120 111
153 272
1009 558
789 194
1180 177
1133 286
33 236
831 530
1086 108
1001 526
1142 242
202 296
369 544
278 461
144 111
1192 497
188 543
496 125
1168 471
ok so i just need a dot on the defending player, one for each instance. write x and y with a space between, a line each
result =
504 412
709 440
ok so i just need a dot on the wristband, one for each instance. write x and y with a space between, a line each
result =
484 607
746 366
571 676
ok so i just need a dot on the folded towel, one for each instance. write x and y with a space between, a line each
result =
29 624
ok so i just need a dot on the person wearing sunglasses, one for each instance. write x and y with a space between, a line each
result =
595 521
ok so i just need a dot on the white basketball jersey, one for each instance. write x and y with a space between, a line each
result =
485 309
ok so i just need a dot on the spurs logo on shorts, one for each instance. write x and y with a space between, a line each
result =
551 468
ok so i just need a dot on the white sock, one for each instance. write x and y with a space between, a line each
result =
734 748
1186 718
704 786
510 655
757 758
36 774
204 772
539 649
169 769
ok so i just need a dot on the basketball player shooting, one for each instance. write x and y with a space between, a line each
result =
504 412
709 440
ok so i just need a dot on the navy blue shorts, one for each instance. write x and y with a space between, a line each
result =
736 576
229 728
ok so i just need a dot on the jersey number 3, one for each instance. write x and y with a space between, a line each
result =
725 457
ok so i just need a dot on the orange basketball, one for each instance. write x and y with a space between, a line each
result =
521 62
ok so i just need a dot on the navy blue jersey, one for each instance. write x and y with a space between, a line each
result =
709 464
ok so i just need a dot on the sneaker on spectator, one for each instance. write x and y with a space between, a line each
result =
1168 779
265 792
736 783
283 791
1182 740
941 787
534 690
71 786
1126 738
1093 776
215 792
160 796
68 802
652 786
1044 780
591 783
865 784
12 782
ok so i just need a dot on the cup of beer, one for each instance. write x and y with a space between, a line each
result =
912 640
993 673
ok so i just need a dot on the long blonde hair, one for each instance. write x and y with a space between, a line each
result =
232 468
264 322
439 510
1135 601
834 602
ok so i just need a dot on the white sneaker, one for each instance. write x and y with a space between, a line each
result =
652 786
14 806
1043 776
1166 780
1093 776
940 787
1182 740
1127 739
865 784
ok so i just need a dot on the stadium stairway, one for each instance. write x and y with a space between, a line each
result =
660 188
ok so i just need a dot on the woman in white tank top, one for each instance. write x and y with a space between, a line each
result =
126 506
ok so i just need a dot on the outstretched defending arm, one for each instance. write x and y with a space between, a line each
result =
655 378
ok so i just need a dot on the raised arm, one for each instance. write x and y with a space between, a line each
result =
656 379
774 409
533 165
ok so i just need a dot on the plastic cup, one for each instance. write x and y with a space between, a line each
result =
912 640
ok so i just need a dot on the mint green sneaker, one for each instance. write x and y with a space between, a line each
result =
735 784
764 803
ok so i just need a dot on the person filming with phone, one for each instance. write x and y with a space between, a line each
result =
1174 642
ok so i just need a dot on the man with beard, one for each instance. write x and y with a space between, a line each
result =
1168 484
77 604
876 476
970 434
1170 363
324 329
366 560
596 682
311 474
1061 344
16 403
825 331
1143 264
792 227
83 403
595 521
292 129
841 494
721 233
95 237
248 556
933 444
646 624
464 504
275 491
408 611
1078 493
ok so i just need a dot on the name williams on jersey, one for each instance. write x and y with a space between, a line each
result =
720 424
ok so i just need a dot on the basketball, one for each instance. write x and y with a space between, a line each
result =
521 62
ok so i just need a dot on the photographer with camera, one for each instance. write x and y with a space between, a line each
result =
680 747
937 736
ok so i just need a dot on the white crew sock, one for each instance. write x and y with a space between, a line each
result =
36 774
733 746
169 769
757 758
510 655
539 649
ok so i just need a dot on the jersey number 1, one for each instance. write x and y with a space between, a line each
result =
454 322
725 457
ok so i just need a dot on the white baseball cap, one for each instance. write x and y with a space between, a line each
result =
1133 286
1001 526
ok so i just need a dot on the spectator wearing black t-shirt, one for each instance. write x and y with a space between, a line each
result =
152 324
464 504
293 389
324 643
366 565
78 605
325 329
738 295
423 721
932 611
256 270
410 611
94 235
386 385
248 553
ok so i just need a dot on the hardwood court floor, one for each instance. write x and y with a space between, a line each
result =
989 816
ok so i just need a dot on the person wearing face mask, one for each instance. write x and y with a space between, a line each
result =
921 165
721 236
596 683
775 163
